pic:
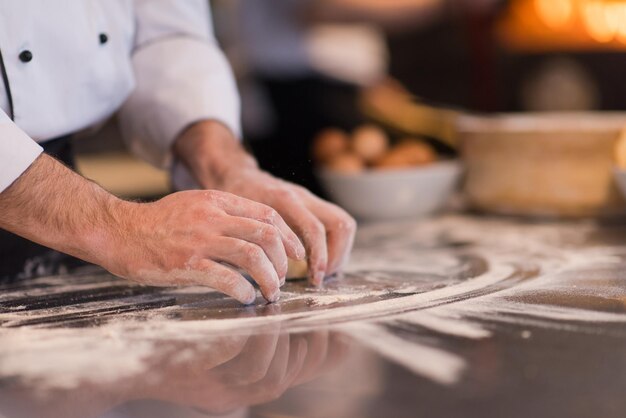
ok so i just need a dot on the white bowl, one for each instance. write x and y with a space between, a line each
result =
393 194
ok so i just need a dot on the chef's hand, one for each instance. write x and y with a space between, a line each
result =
183 238
217 161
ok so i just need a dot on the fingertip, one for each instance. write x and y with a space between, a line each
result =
274 297
300 251
271 296
246 296
248 299
318 264
317 278
295 249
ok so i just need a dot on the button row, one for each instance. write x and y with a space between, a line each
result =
27 56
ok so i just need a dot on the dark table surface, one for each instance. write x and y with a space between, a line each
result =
454 316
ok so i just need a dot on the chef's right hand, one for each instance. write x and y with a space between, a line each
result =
184 238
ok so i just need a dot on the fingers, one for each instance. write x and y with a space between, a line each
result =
266 236
340 232
251 258
325 231
327 228
313 234
244 208
209 273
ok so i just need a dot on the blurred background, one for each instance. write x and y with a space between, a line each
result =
306 65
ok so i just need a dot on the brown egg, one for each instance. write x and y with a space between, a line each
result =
347 163
394 159
330 143
407 153
416 151
370 143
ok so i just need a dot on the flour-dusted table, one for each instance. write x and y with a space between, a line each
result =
452 316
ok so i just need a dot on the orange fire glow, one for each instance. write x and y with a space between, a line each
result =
565 24
597 22
555 13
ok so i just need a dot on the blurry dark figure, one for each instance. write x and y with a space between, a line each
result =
302 100
453 60
308 60
303 107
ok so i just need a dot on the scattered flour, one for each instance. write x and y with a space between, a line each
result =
534 274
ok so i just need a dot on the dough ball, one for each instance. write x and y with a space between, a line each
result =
347 163
329 144
297 269
370 143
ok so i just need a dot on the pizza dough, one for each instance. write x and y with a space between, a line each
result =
297 269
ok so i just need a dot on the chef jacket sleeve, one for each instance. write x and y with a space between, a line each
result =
17 151
182 77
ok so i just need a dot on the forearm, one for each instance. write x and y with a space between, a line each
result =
182 239
211 152
53 206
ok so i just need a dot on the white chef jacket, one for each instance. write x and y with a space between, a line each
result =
156 61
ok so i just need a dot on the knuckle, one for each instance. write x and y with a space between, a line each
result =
269 235
284 194
217 197
253 253
345 223
270 215
298 190
212 195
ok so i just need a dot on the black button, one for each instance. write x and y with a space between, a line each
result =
26 56
104 38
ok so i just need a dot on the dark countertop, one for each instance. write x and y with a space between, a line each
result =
455 316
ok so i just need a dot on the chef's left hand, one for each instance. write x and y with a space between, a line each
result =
326 230
217 161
